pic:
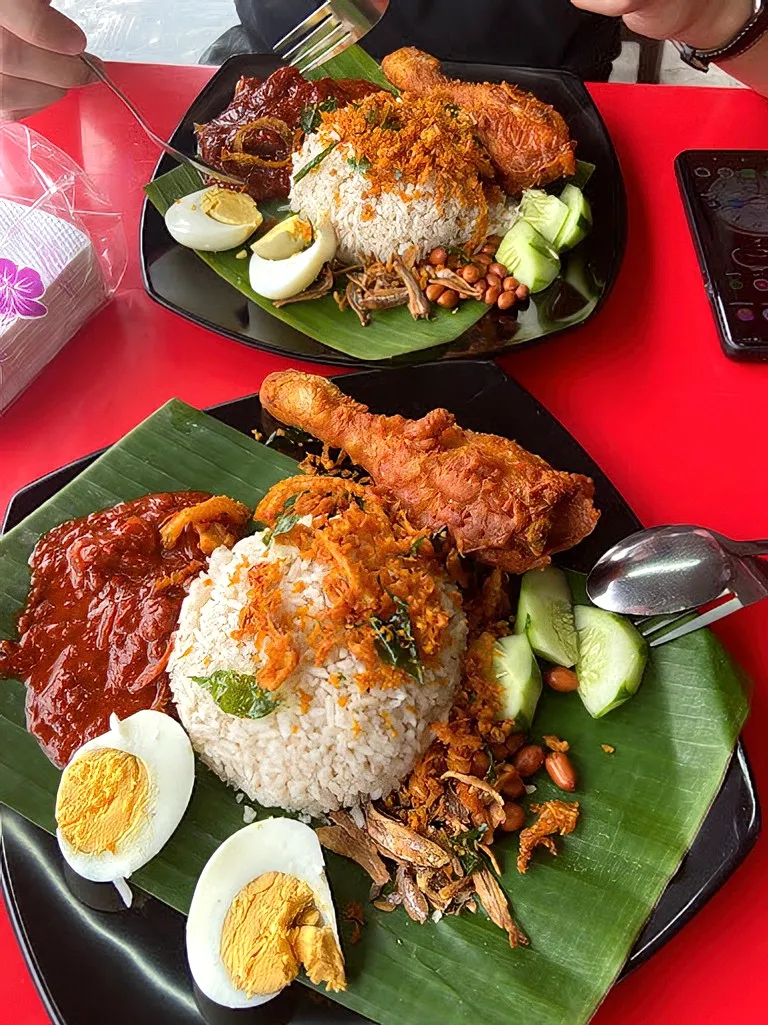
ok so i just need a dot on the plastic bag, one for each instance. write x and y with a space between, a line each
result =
62 254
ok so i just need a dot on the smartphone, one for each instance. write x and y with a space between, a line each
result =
725 193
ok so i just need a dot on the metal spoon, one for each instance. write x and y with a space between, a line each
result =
181 158
665 570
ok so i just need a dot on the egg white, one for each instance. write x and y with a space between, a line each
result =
282 279
272 845
164 748
191 226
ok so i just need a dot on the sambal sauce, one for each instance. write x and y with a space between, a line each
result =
95 634
254 136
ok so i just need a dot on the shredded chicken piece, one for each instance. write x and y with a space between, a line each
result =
496 906
555 743
478 784
554 817
216 510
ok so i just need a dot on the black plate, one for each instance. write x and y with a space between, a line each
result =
178 280
140 954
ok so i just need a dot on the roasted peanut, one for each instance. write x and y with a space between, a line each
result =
494 240
510 284
433 292
480 764
489 248
499 270
482 260
561 679
529 759
494 281
499 750
522 291
561 770
438 256
510 784
506 300
470 273
514 817
491 296
514 742
448 299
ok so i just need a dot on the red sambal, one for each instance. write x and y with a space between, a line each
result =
253 137
95 635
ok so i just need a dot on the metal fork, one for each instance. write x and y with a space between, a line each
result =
328 31
182 158
749 584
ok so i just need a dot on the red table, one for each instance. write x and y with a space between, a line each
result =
682 432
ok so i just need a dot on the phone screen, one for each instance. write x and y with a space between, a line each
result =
726 194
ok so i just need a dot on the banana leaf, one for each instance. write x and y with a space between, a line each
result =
391 332
641 806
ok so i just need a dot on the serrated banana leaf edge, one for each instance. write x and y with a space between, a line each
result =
641 806
391 332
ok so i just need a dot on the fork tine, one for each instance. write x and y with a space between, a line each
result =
296 35
697 622
650 624
312 41
346 40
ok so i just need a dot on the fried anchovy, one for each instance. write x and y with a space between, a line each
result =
317 290
418 304
403 843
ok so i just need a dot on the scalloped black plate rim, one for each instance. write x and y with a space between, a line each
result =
733 822
331 357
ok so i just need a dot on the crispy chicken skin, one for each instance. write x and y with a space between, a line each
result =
501 504
527 140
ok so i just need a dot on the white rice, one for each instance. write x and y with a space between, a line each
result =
381 226
330 756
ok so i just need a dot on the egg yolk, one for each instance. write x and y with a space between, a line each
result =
230 207
271 929
103 799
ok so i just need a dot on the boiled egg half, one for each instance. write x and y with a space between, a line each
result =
122 796
262 909
288 258
213 219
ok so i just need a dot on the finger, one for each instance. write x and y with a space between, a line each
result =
610 8
23 60
35 22
18 97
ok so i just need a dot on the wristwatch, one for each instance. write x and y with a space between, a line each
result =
744 40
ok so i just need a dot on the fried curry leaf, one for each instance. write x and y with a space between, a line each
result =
463 847
310 119
361 164
287 521
416 545
395 642
491 774
314 162
238 694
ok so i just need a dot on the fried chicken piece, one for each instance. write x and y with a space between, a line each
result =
527 140
501 504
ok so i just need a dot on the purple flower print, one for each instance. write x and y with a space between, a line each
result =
20 288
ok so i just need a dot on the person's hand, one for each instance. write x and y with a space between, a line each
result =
38 57
704 24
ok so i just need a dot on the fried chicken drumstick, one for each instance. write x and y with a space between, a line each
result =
527 140
501 504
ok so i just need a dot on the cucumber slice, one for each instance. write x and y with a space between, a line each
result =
545 615
528 256
547 214
612 658
519 677
578 222
584 171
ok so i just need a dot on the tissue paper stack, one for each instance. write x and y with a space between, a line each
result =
50 283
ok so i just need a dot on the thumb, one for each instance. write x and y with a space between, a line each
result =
37 23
